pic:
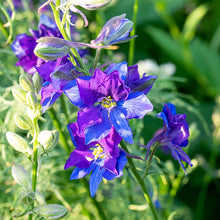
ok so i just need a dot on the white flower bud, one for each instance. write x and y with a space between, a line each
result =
23 121
48 139
17 142
21 176
26 83
19 94
51 211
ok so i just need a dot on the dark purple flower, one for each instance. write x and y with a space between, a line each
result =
103 158
174 134
107 100
23 46
56 74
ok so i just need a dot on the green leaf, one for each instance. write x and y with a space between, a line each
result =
192 22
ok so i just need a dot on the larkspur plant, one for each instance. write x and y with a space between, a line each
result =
107 97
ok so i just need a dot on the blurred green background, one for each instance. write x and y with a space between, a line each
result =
185 33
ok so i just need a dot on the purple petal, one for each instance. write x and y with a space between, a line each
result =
71 90
88 117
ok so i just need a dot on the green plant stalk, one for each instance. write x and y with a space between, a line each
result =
35 160
132 42
141 183
97 56
61 28
149 161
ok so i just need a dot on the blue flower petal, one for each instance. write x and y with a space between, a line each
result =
95 180
136 106
121 125
120 67
99 130
121 161
71 90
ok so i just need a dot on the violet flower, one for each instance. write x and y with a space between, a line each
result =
115 31
23 46
103 158
108 99
174 134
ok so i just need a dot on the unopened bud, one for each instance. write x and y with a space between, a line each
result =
51 50
17 142
23 121
48 139
19 94
26 83
38 81
51 211
21 176
31 99
92 4
115 31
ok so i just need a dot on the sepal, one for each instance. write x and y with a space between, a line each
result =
26 83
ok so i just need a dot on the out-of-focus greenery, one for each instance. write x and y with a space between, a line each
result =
186 33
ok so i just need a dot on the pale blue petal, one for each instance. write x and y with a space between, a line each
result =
136 106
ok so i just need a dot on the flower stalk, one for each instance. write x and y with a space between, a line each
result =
141 183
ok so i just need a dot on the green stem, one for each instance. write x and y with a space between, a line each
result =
132 42
57 125
97 55
149 161
141 183
62 30
35 160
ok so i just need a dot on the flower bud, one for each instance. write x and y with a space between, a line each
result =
23 121
38 81
51 211
115 31
21 176
31 99
17 142
51 50
92 4
26 83
19 94
48 139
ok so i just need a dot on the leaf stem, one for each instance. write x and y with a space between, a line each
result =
149 161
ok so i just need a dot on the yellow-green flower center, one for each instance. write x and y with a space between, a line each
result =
108 102
98 152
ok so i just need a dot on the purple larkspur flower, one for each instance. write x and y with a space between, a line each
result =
56 74
103 158
109 99
174 134
115 31
23 46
